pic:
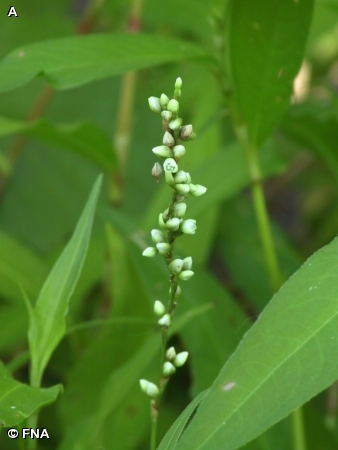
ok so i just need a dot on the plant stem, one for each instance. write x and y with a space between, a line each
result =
298 429
263 222
122 135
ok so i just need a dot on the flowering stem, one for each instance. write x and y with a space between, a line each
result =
172 226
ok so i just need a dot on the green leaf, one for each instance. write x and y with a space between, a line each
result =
18 401
84 138
266 41
174 433
73 61
287 357
47 317
317 131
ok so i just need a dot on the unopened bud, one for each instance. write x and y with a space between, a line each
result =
200 190
173 106
163 248
179 209
180 359
182 188
185 132
185 275
156 171
175 124
170 354
175 266
154 104
149 252
168 369
157 236
162 150
165 321
164 100
178 83
168 139
159 308
179 151
173 224
187 263
149 388
166 115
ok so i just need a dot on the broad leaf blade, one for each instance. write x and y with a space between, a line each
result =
73 61
18 401
266 44
47 327
288 356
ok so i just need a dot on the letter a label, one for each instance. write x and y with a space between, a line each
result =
12 12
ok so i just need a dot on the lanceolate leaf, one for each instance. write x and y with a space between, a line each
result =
18 401
266 41
73 61
288 356
170 439
47 317
84 138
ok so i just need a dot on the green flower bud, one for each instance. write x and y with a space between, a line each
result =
159 308
200 190
163 248
179 151
164 100
163 150
188 226
157 236
168 139
156 171
187 263
175 266
178 83
170 165
179 209
185 132
177 93
161 221
170 354
149 388
185 275
173 106
165 321
193 188
166 115
177 293
154 104
150 252
181 177
172 224
180 359
182 188
168 369
175 124
169 178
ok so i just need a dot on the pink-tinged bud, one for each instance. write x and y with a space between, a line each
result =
185 132
156 171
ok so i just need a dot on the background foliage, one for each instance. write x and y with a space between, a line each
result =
60 104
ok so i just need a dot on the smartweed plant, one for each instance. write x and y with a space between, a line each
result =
171 226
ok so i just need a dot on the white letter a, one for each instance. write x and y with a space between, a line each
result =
12 12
